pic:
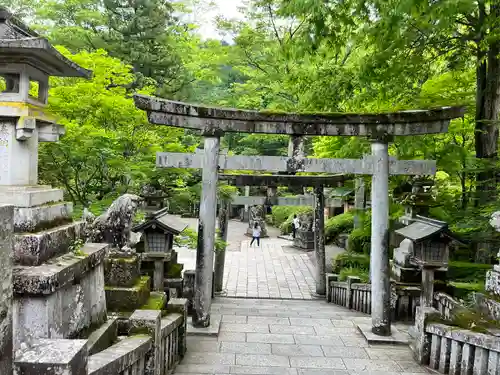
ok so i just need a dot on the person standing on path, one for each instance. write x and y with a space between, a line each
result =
295 225
256 234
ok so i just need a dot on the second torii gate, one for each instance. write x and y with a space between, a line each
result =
380 128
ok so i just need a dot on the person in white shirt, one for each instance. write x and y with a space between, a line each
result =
295 225
256 234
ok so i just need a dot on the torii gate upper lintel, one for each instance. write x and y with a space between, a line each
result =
380 128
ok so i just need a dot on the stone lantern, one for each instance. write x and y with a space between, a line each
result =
428 251
26 63
158 233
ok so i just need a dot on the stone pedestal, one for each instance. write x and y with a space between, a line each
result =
65 357
304 240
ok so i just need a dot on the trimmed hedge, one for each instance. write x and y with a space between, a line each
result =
467 272
350 260
282 216
339 224
462 290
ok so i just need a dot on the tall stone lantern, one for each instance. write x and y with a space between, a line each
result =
26 63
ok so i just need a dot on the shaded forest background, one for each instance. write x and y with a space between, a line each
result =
287 55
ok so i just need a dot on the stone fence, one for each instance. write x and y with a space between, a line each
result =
357 296
457 351
445 304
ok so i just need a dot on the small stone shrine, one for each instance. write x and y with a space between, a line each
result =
158 258
425 246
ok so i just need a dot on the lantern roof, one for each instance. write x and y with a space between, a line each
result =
422 229
21 45
160 219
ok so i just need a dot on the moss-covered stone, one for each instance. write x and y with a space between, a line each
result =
128 299
121 272
156 301
175 271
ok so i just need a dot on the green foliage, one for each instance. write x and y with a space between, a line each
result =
282 216
362 273
76 247
359 241
461 290
337 225
467 272
350 260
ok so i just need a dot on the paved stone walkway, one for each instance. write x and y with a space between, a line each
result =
271 270
264 336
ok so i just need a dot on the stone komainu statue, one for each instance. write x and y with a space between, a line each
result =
306 221
114 226
257 214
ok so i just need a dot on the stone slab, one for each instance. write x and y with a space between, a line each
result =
53 275
119 357
286 164
103 337
396 338
30 219
32 249
212 330
30 196
67 357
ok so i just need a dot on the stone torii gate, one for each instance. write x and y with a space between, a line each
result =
380 128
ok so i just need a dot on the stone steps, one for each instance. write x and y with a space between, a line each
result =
32 249
31 219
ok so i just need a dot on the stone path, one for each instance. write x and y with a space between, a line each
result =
271 270
264 336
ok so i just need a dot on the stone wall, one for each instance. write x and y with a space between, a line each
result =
6 244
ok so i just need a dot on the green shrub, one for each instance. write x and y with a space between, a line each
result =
461 290
352 271
467 272
286 224
359 241
350 260
339 224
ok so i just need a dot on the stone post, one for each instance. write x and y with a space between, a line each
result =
206 233
427 296
359 202
247 207
159 276
6 250
220 256
381 311
319 239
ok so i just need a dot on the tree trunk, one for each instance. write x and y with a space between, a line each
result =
487 108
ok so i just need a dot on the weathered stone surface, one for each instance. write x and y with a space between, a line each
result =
6 243
35 248
66 313
114 226
149 322
493 281
174 287
55 274
180 306
30 196
282 180
257 215
121 357
103 337
128 299
121 271
161 111
53 357
31 219
304 238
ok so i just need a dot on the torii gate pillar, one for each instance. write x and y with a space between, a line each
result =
206 232
380 280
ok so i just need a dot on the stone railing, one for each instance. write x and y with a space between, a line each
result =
357 296
457 351
170 343
445 304
126 357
